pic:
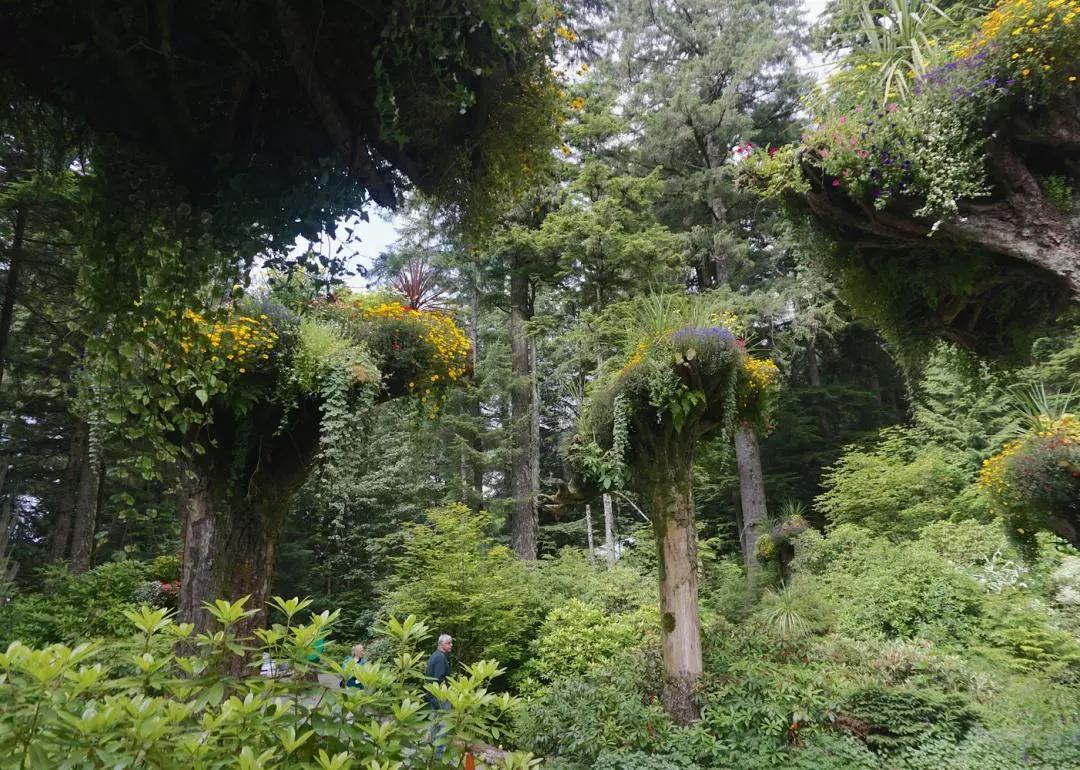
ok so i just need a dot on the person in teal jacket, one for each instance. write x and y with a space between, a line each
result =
357 657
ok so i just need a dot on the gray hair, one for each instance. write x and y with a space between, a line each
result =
444 638
358 647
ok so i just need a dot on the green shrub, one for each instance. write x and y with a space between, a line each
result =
897 487
63 707
607 709
1022 628
637 760
578 637
569 575
967 543
76 607
887 719
1000 749
452 573
903 590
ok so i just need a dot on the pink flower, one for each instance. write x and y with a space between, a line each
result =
772 151
892 106
836 183
843 120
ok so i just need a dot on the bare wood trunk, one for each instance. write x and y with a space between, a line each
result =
609 530
588 532
813 374
752 491
668 483
475 438
229 551
523 523
11 285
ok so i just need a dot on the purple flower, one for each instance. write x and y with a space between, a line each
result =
696 335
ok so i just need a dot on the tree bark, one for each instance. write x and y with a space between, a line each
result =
232 502
523 523
11 285
476 431
588 533
230 546
609 530
87 505
752 492
60 536
667 480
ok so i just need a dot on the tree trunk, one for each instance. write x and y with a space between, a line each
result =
609 530
60 537
588 532
476 445
87 505
11 285
229 550
667 480
232 502
752 491
523 521
813 374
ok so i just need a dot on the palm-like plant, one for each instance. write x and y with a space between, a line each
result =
783 611
900 40
1034 406
418 281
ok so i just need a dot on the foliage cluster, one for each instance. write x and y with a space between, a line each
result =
882 140
160 708
72 609
681 365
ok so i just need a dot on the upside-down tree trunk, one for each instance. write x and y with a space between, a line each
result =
752 491
232 503
523 521
666 477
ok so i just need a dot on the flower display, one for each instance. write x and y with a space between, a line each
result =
1034 39
1036 476
925 149
440 359
240 341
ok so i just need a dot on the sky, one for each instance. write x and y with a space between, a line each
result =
383 227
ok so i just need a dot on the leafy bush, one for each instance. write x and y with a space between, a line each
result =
76 607
897 487
637 760
569 575
608 709
452 573
888 719
899 590
578 637
1022 628
60 706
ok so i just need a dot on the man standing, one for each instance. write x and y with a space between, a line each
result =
438 671
438 665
